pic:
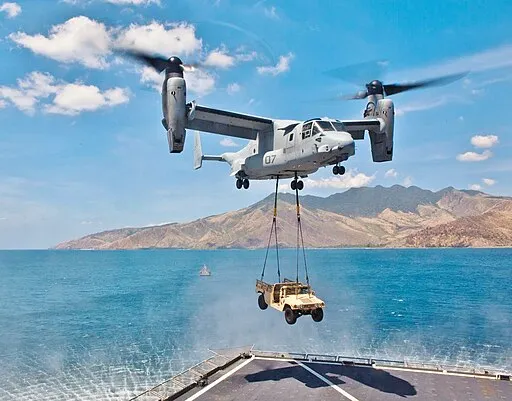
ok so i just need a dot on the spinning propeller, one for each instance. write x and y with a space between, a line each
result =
160 63
377 87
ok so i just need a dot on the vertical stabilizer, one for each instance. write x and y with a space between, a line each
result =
198 151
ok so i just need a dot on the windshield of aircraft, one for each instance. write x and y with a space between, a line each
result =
325 125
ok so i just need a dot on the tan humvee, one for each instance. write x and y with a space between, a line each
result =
294 298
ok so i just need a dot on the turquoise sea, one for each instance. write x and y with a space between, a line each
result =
90 325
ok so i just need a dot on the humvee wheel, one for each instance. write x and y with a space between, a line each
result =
261 302
317 314
289 315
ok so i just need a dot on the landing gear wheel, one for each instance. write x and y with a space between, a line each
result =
317 314
261 302
239 183
341 170
246 184
300 185
335 170
293 185
290 316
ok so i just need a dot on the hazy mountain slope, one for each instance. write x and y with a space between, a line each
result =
445 218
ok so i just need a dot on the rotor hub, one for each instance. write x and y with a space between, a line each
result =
375 88
174 67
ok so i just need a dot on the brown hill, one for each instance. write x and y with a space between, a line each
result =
445 218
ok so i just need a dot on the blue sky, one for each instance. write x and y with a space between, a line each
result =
82 148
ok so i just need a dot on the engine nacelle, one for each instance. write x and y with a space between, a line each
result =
382 143
175 92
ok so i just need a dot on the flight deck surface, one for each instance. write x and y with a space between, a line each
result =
254 376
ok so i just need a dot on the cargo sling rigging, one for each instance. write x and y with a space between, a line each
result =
300 237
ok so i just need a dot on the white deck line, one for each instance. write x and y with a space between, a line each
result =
330 383
220 379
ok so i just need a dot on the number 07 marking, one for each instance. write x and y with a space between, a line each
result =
270 159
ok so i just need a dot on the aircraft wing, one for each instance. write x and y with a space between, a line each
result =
356 128
225 122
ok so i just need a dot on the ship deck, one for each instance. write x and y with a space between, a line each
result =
267 376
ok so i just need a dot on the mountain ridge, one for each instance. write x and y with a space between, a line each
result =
369 216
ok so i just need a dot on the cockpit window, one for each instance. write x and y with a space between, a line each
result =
338 126
316 130
306 130
325 125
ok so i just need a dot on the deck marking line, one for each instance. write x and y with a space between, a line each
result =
223 377
330 383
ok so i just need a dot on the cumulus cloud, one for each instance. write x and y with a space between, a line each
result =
169 39
282 65
351 179
474 156
489 181
475 187
88 42
78 40
233 88
391 173
66 98
484 141
11 9
219 58
229 143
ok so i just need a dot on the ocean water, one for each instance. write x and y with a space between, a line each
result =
92 325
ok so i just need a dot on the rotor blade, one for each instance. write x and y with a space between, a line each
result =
360 72
358 95
157 62
393 89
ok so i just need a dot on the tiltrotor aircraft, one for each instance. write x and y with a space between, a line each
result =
278 148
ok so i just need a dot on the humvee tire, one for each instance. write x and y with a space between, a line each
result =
317 314
261 302
289 315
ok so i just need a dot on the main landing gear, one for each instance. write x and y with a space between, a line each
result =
242 183
297 184
338 170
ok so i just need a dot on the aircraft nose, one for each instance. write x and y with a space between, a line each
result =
342 139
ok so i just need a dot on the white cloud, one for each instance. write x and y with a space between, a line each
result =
484 141
229 143
88 42
489 182
171 39
271 12
407 181
391 173
351 179
219 58
282 65
11 9
475 187
246 56
233 88
67 98
474 157
78 40
461 118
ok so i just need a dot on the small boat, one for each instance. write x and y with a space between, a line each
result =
205 271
